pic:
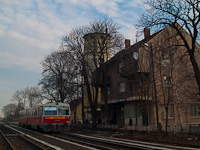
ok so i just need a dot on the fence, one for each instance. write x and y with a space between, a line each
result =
191 128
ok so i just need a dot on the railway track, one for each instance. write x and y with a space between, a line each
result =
14 140
87 142
53 142
68 140
116 143
5 144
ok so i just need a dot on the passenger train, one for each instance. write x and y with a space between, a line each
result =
50 117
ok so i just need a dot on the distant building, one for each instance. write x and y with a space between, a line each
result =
130 89
76 110
96 51
131 92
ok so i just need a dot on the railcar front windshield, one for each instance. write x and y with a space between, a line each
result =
63 110
50 111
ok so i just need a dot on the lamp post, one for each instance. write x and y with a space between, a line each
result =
154 82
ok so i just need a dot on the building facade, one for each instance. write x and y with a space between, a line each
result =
150 80
154 72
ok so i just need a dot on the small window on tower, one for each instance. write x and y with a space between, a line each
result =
167 81
121 65
108 91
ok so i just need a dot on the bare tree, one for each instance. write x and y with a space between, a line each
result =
92 53
18 108
74 44
179 15
20 97
166 61
110 27
9 111
107 45
172 75
29 97
34 95
59 73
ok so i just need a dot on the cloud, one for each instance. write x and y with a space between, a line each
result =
27 35
31 29
109 8
136 3
9 60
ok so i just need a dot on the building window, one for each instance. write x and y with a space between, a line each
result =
195 110
165 57
170 112
167 81
108 91
165 54
122 87
121 65
165 62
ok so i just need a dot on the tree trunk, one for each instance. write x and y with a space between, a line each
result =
154 87
92 101
196 69
83 113
106 103
75 115
166 119
94 116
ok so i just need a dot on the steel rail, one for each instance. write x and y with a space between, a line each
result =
29 140
175 146
84 143
118 143
6 139
121 142
134 144
63 140
35 143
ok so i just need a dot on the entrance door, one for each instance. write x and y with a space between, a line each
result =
145 118
117 115
121 116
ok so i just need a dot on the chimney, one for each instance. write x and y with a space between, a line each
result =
127 43
146 33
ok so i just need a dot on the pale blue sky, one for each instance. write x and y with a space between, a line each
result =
31 29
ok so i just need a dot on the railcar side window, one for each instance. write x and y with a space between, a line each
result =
50 111
63 111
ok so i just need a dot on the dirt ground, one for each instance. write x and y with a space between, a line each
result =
174 139
180 139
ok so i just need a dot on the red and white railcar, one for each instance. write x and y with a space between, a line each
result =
48 117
